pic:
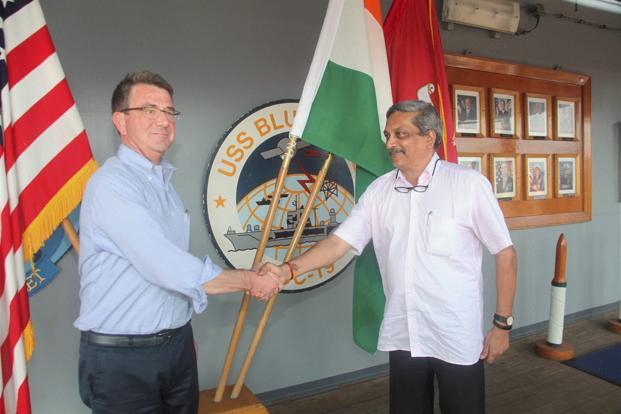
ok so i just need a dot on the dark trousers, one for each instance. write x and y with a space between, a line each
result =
462 387
140 379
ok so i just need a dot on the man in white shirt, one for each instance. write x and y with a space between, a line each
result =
428 220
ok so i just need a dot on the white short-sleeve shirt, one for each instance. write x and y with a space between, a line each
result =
429 250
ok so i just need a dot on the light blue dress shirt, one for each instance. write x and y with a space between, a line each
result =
136 275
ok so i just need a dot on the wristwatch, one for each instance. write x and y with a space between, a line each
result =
503 322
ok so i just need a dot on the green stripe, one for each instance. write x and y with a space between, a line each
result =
369 300
343 119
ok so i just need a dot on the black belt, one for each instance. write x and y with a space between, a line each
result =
128 341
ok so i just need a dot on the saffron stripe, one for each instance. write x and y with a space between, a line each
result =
373 8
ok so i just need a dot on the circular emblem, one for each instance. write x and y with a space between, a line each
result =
240 182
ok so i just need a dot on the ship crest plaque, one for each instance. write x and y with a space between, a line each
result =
239 185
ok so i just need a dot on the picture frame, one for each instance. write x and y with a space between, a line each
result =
522 210
566 110
476 161
538 177
504 110
504 177
469 111
567 173
538 115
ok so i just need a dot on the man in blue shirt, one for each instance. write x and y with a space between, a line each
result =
138 283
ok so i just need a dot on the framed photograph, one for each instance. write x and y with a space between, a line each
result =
504 112
566 118
538 180
477 162
469 110
504 177
566 176
538 116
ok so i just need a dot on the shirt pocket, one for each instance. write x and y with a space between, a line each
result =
441 235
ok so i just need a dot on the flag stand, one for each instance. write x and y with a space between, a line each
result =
270 303
246 403
242 400
210 401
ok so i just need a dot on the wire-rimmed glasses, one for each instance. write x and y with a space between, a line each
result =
417 188
152 112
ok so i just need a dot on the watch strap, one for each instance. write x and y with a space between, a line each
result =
503 319
500 326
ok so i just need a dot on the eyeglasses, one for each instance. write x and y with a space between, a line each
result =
416 188
152 112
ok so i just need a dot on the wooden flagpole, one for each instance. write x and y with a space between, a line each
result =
270 304
72 235
267 227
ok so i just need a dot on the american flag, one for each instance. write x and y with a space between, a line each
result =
45 161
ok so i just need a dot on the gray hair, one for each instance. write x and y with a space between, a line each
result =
120 96
426 117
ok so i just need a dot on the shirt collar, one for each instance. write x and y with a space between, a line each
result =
163 171
425 176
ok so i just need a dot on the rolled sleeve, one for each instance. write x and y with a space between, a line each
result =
210 271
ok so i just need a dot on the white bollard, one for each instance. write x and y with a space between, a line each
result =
557 313
554 348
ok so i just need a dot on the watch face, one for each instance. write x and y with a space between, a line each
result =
510 320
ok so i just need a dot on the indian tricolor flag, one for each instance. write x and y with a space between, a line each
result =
342 110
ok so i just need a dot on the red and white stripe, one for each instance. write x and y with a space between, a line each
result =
44 146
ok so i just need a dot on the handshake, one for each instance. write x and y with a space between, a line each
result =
267 279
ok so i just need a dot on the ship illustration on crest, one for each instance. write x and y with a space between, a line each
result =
249 240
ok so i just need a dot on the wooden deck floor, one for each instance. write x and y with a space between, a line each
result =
520 382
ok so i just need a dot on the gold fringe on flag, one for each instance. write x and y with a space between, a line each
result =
29 340
55 211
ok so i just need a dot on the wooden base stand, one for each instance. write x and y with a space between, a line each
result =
246 403
561 352
615 325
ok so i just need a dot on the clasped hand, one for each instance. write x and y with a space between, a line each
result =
264 284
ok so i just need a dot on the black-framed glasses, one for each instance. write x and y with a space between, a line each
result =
417 188
152 112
